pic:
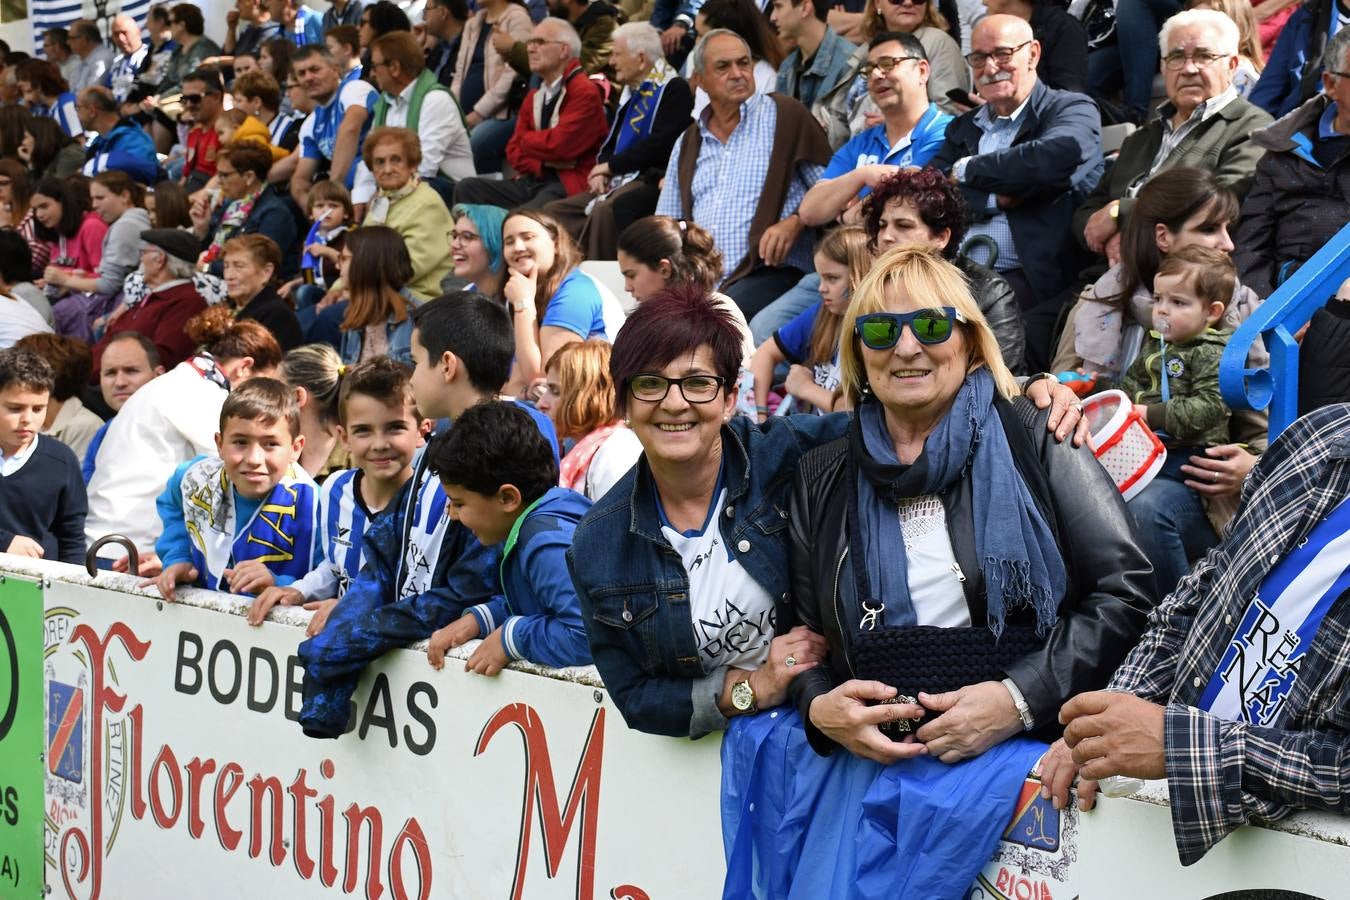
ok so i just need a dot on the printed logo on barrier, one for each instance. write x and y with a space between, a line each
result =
1036 822
65 731
9 706
1033 859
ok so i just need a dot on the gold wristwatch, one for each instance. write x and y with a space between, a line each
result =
743 696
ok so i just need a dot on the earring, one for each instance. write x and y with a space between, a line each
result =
627 421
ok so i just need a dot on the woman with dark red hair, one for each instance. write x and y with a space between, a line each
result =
920 206
682 567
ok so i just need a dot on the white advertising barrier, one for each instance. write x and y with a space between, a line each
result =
175 768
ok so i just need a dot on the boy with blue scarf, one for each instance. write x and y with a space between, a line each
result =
245 520
500 478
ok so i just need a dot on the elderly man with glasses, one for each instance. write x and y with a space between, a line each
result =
1024 161
910 133
558 132
1203 124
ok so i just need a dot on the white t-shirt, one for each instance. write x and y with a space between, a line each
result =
18 319
734 617
168 421
934 577
611 461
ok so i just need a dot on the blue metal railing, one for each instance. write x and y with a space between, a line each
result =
1287 310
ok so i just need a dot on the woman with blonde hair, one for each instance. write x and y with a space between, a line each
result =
579 398
314 372
968 575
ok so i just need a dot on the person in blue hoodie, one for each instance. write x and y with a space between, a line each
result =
421 569
500 478
121 143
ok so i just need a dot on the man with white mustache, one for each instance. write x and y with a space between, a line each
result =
1024 161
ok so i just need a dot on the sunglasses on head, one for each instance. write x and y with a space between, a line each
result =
881 331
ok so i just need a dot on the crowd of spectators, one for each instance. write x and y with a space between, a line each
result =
277 261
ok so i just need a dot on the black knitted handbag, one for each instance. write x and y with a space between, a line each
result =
936 660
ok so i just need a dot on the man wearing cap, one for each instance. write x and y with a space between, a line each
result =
168 257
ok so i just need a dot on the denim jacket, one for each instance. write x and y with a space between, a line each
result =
634 590
398 334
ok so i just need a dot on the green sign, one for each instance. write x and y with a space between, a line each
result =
21 721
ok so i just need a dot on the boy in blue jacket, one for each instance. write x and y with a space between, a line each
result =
420 571
500 477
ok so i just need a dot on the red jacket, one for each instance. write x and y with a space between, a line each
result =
161 317
578 129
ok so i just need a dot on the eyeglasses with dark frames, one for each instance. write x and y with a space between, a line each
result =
653 388
1000 55
883 64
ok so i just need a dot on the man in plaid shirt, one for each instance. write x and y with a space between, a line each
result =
1280 745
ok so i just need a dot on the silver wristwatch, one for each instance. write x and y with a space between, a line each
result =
1023 710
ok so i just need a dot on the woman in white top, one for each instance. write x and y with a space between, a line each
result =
169 421
579 398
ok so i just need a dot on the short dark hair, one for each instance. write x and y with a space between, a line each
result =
386 16
60 35
265 399
936 199
87 30
379 378
190 17
16 264
151 351
209 76
492 445
26 369
475 329
672 323
159 12
346 35
904 39
100 98
69 358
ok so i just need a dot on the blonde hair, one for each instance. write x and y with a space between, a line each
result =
929 280
846 247
587 397
874 23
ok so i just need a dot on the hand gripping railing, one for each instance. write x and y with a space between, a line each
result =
1287 310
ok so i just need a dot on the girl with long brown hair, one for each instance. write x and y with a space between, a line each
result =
552 301
376 268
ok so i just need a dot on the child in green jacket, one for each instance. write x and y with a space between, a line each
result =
1175 381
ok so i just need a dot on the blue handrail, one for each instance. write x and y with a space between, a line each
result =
1287 310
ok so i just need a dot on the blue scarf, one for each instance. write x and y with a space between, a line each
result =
1018 555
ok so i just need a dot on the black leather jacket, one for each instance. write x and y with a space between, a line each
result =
1110 581
997 301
